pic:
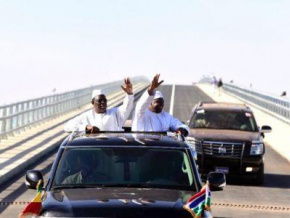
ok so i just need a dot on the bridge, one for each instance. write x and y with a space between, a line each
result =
31 131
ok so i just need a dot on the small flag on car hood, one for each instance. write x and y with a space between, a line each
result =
35 206
199 202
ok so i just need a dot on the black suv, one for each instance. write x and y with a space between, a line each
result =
121 175
228 140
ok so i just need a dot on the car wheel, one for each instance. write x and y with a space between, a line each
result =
259 180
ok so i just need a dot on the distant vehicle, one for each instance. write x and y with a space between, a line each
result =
228 140
122 175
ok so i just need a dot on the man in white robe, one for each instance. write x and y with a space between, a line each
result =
100 118
149 114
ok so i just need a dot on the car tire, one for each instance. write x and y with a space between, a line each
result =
259 180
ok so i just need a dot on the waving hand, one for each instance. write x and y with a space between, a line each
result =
154 84
127 87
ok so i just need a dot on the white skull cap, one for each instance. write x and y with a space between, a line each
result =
97 92
158 94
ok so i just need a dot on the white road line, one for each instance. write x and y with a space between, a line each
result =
172 100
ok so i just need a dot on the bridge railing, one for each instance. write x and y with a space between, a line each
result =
17 116
277 105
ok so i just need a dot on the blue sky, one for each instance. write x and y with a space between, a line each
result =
73 44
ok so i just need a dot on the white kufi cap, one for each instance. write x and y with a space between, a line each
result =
97 92
158 94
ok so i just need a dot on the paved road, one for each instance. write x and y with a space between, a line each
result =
185 98
238 196
237 200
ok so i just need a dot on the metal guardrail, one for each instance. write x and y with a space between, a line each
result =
277 105
17 116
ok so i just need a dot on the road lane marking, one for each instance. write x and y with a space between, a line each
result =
172 100
253 206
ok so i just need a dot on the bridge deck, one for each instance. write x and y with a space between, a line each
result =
237 200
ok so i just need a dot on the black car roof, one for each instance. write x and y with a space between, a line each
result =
123 138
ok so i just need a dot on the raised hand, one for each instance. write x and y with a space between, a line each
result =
127 87
154 84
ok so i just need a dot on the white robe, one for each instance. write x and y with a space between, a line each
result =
146 120
112 120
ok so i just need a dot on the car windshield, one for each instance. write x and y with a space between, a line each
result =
233 120
124 167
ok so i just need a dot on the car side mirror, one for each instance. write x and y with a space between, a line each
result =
266 129
32 179
216 180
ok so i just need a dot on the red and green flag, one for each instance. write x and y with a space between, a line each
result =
199 202
35 206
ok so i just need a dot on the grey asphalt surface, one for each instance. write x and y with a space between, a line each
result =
239 199
185 98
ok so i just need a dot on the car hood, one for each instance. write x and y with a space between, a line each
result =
116 202
224 135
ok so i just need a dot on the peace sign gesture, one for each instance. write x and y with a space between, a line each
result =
127 87
154 84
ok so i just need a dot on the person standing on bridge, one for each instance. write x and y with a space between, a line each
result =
100 118
149 114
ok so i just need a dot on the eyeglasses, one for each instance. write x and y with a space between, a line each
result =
99 101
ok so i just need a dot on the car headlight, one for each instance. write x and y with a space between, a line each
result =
257 148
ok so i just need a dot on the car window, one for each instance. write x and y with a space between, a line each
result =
140 167
234 120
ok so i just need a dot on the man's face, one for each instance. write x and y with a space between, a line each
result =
157 105
100 104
